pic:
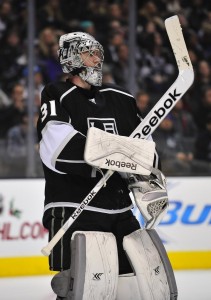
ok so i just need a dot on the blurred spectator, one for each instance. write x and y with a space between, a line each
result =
6 17
120 68
107 75
176 159
205 35
10 67
115 13
184 125
38 79
47 38
156 69
203 75
146 36
193 44
204 72
116 27
201 82
50 15
111 48
4 99
203 109
98 14
193 57
203 142
37 102
51 67
89 27
196 14
76 11
17 138
16 151
143 102
149 12
12 114
173 6
38 82
118 16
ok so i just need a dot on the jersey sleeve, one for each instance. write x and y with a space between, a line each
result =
61 145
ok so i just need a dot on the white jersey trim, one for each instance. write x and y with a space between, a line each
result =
90 208
67 92
72 161
55 136
117 91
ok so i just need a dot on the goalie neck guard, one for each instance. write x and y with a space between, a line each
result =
71 47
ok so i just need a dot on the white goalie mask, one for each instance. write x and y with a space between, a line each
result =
71 47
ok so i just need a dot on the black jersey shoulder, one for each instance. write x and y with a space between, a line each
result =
115 87
57 89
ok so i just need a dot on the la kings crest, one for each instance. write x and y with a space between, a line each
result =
106 124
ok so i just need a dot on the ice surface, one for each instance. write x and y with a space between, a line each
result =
192 285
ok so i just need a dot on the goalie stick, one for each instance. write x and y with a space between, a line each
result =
152 120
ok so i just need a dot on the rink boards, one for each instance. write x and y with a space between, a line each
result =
185 230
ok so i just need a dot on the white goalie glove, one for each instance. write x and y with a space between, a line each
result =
118 153
151 196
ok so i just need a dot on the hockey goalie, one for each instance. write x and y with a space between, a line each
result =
83 129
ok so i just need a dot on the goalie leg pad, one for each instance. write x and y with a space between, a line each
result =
128 288
94 268
151 265
166 263
62 283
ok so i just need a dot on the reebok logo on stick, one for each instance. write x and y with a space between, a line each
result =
159 113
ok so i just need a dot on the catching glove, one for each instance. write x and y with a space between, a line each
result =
151 196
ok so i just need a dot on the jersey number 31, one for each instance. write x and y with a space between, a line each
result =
44 109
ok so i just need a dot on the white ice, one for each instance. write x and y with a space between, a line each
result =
192 285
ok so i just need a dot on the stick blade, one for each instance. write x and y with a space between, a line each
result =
176 38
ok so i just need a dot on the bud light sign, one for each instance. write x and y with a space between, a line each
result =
187 214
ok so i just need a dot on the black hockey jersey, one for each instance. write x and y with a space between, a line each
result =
67 111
